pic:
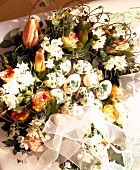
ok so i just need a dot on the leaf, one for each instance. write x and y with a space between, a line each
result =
6 44
13 33
115 156
8 142
54 108
83 36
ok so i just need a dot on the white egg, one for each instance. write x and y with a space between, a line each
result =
82 67
85 95
64 67
72 83
91 80
54 80
59 94
98 73
104 90
72 109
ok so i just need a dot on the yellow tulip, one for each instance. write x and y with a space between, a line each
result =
39 61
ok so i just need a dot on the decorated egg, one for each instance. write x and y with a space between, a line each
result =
104 90
54 80
82 67
85 95
64 67
72 109
66 107
90 80
72 83
98 73
59 94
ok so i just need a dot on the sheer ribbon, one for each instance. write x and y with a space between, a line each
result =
130 85
67 136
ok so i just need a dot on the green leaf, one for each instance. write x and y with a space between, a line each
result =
113 156
13 33
54 108
6 44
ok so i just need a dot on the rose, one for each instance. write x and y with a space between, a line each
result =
30 33
20 116
35 145
71 40
39 61
40 100
7 75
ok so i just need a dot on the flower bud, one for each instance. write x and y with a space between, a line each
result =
30 33
39 61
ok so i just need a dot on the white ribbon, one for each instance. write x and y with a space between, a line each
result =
67 135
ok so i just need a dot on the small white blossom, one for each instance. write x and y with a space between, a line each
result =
10 101
12 87
23 142
117 62
22 67
54 48
49 63
99 43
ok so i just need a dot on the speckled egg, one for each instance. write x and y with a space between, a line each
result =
59 94
54 80
98 73
85 95
91 80
72 83
82 67
64 67
104 90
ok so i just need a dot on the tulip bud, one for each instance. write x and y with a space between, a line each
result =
39 61
30 33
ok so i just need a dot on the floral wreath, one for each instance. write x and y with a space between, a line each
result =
60 86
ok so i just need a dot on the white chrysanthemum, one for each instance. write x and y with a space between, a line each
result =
37 122
109 64
23 142
56 42
54 48
26 79
12 87
120 63
99 43
10 101
21 67
117 62
49 63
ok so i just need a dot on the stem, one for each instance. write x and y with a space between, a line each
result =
33 8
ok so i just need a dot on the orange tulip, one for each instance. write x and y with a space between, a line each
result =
39 61
30 33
